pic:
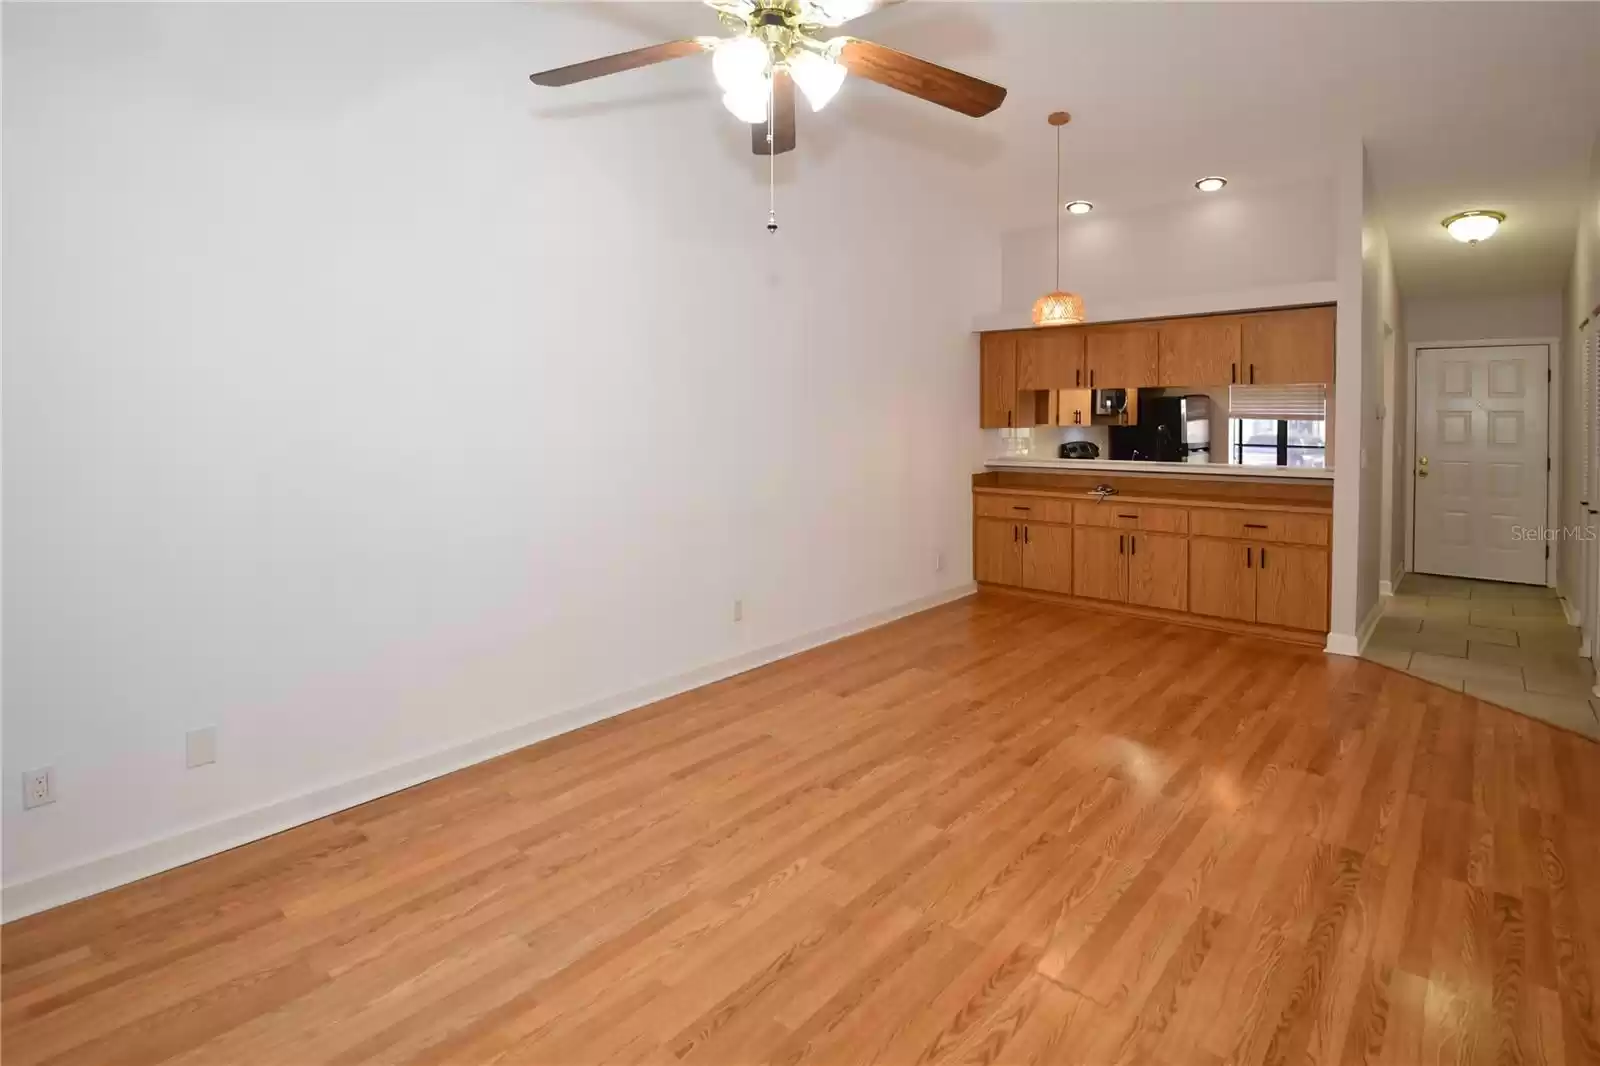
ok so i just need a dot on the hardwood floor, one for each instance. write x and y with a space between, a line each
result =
1000 831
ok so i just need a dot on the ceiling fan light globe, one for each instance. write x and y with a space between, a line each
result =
739 62
819 79
748 103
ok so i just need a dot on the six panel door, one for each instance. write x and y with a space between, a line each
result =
1200 351
997 380
1158 570
997 551
1292 587
1480 478
1047 558
1222 579
1098 558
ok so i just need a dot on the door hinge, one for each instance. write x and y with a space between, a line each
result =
1547 551
1547 464
1547 376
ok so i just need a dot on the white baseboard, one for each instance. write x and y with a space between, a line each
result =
1387 586
152 857
1351 643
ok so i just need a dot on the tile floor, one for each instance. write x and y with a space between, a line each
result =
1508 644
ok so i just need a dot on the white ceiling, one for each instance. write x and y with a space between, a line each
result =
1461 105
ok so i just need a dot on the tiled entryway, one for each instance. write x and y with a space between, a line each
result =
1508 644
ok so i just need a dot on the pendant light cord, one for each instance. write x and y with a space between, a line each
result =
772 155
1055 208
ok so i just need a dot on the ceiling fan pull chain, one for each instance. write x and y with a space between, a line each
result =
772 157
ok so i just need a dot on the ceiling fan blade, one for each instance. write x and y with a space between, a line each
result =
782 119
830 13
920 78
639 57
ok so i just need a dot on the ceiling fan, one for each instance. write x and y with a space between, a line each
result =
775 47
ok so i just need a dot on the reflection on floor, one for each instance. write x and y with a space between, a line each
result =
1508 644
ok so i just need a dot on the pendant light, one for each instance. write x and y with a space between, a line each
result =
1058 308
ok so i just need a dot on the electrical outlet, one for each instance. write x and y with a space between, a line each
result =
200 746
38 787
938 561
738 610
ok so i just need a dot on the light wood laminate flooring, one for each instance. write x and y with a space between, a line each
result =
999 831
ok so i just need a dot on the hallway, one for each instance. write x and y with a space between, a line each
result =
1507 644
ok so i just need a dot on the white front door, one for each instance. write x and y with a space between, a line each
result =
1482 448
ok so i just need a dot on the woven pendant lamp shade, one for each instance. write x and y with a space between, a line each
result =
1058 308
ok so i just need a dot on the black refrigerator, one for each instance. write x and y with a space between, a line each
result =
1171 429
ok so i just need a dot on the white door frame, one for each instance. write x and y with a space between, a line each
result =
1552 495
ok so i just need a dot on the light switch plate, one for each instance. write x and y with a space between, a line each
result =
200 746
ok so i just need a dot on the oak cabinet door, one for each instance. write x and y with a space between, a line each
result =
1098 558
1288 347
1050 359
997 380
1074 407
1158 570
1222 579
997 551
1047 558
1121 358
1292 587
1200 351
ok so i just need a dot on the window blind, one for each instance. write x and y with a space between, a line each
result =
1303 402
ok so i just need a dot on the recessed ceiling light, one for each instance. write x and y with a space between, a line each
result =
1470 227
1211 184
1080 207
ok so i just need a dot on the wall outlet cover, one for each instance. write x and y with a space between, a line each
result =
38 787
200 746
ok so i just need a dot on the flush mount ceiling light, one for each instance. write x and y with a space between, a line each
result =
1080 207
1470 227
1211 184
1059 308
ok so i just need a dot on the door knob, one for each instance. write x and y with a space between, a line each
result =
1422 463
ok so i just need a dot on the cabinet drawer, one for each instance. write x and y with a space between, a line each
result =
1279 527
1132 516
1031 508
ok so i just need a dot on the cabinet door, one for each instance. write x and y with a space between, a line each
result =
997 381
1047 558
1222 579
1121 358
997 551
1158 570
1074 407
1200 351
1098 558
1049 359
1288 347
1292 587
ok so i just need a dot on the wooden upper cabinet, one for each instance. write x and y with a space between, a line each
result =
1050 359
1121 358
997 551
997 380
1158 570
1200 351
1292 587
1222 579
1288 347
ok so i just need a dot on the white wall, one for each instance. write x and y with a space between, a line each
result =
363 400
1241 238
1509 317
1579 302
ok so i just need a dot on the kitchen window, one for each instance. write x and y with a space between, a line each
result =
1278 425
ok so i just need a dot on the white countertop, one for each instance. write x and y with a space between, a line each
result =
1193 470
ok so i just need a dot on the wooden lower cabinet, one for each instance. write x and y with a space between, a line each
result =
1097 563
1158 571
1222 579
1292 587
997 551
1047 558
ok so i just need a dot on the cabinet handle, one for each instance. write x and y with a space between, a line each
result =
1263 558
1233 373
1008 419
1254 525
1091 377
1249 557
1019 507
1133 545
1077 379
1252 373
1025 539
1120 544
1013 534
1127 516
